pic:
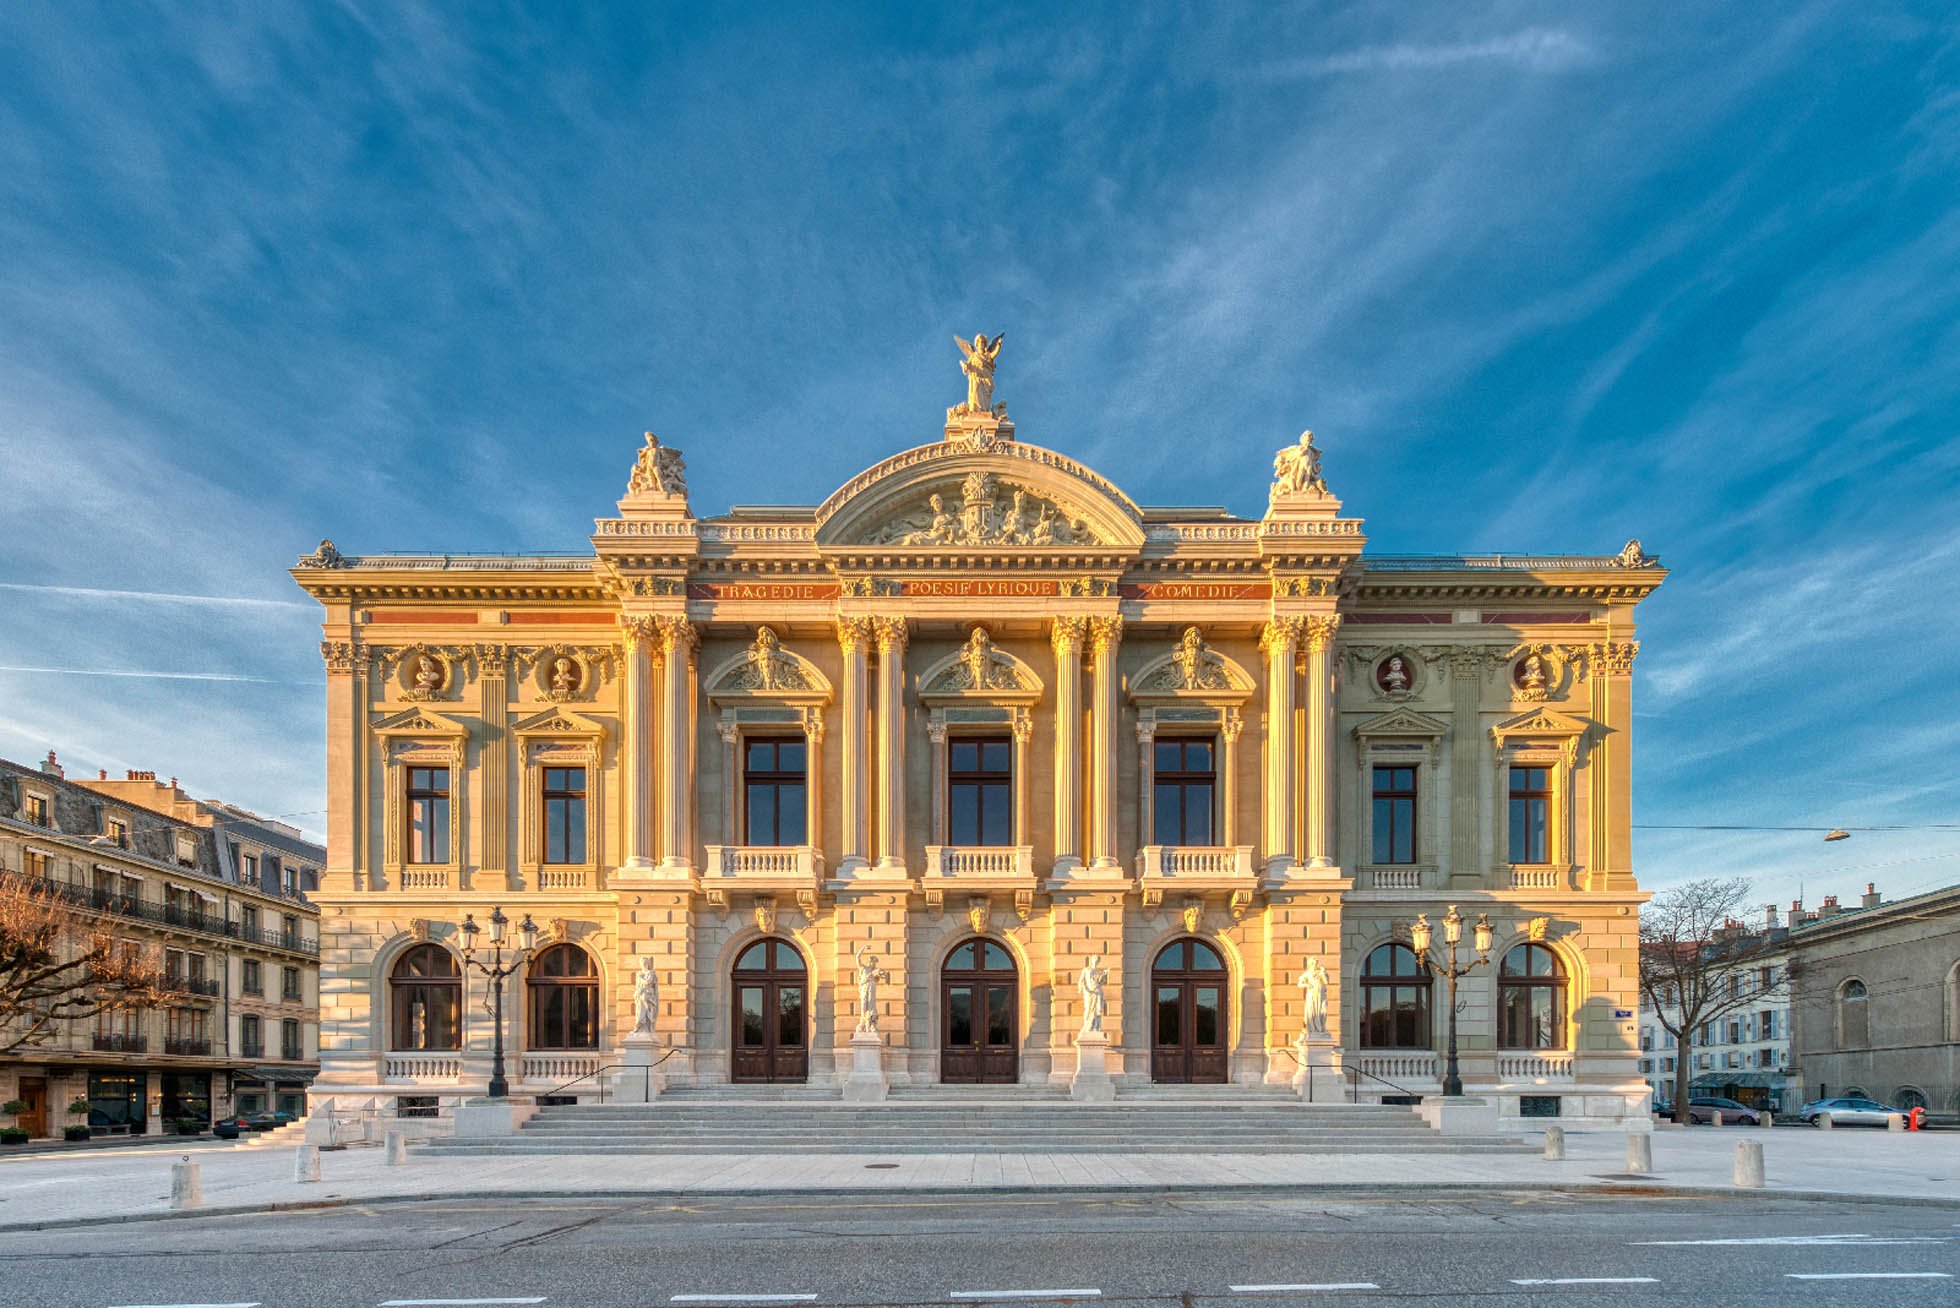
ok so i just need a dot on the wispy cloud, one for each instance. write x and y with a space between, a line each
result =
161 597
155 676
1535 49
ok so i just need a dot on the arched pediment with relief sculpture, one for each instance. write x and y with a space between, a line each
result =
965 494
1191 669
768 670
980 669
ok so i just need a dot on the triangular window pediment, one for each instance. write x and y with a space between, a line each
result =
1538 724
1401 722
558 722
420 722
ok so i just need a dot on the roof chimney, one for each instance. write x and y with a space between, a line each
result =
102 774
1769 917
1829 907
134 775
1796 913
1871 896
51 767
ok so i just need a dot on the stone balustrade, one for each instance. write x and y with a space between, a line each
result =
1196 863
422 1065
1536 1068
981 862
772 864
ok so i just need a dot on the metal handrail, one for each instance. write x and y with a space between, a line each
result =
609 1067
1358 1072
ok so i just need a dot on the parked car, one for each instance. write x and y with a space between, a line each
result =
230 1128
1702 1109
1847 1112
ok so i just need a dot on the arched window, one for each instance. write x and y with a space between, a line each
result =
980 1000
1854 1024
563 986
1530 999
771 992
427 1004
1394 1000
1906 1098
1190 1013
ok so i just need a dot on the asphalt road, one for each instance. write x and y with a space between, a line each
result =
1175 1251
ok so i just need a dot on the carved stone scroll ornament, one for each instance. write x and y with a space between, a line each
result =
768 668
1614 658
987 511
660 470
343 657
1296 470
1194 665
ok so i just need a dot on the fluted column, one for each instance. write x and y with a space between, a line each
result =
1105 634
677 641
854 638
1067 635
639 641
891 635
1279 641
1320 742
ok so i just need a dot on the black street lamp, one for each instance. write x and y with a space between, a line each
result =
1452 933
496 969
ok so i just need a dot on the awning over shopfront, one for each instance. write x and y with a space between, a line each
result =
1753 1080
276 1075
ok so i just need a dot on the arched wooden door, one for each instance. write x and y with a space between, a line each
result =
1188 1014
979 993
772 1003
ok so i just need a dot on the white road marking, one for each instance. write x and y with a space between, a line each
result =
253 1304
452 1303
1025 1294
1810 1240
1304 1289
742 1298
1869 1276
1589 1280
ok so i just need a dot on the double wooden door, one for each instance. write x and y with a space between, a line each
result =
980 1003
1189 1012
771 1019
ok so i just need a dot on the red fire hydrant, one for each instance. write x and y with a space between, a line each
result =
1915 1117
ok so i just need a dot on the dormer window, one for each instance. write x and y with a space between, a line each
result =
36 810
117 829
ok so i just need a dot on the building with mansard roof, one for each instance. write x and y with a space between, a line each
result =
979 771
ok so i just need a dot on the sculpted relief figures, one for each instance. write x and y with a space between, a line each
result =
986 512
768 668
982 667
977 362
1296 469
659 471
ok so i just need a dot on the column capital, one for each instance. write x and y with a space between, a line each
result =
1467 663
1614 658
1281 634
344 657
639 634
854 633
1321 628
493 660
1105 634
892 634
1068 634
677 635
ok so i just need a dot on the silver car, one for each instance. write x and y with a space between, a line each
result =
1847 1112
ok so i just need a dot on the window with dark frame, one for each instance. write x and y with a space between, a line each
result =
290 1044
1394 1000
564 815
775 790
1395 815
1184 790
980 790
250 977
1530 999
1531 809
251 1036
426 1000
563 986
289 984
36 810
428 815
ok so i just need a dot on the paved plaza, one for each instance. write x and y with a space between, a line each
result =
113 1185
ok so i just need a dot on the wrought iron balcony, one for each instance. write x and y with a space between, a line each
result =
189 1048
117 1043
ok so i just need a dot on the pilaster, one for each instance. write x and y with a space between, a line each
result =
1278 640
1320 632
1105 635
854 637
1609 762
493 756
678 641
1467 863
892 636
639 640
1067 636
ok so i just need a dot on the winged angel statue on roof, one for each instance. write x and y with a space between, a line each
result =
978 365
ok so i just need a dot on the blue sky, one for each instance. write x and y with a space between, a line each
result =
1541 277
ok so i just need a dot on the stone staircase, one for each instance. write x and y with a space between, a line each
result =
975 1119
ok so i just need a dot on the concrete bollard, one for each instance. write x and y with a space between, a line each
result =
1554 1144
306 1163
1715 1118
1768 1118
1895 1121
1749 1164
1824 1121
186 1187
396 1145
1640 1151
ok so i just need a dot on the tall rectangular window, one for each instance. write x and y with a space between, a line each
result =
248 870
428 815
251 1036
290 1046
980 790
251 978
289 984
248 917
564 815
1531 808
775 789
1395 815
1183 791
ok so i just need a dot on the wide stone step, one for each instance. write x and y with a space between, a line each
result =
522 1145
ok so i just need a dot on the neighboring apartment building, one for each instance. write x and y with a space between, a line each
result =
219 898
1875 1000
1744 1054
983 716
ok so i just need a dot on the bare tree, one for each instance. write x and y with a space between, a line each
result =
56 968
1689 946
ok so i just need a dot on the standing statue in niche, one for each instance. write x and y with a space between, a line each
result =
1313 992
869 974
1089 981
978 365
1296 469
660 470
646 999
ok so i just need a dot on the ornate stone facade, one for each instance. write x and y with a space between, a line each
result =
808 726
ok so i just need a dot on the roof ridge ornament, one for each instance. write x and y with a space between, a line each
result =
659 481
980 421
